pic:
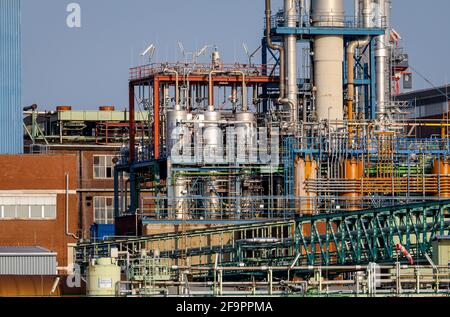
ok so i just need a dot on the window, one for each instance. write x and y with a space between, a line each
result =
103 166
49 212
33 207
35 212
104 210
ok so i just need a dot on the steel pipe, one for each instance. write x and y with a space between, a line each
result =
282 99
177 84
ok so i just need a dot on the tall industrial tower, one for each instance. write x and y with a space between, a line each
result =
11 136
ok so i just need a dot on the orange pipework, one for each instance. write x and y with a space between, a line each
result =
441 168
353 170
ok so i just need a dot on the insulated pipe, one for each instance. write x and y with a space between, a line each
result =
271 45
177 84
382 59
365 13
275 47
211 87
244 87
290 47
189 97
356 14
302 11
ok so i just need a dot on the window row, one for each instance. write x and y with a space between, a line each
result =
28 207
33 212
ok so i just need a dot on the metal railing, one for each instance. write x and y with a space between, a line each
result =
183 68
350 22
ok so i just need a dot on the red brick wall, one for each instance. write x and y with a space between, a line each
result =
86 182
40 172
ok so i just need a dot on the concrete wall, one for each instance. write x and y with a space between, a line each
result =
40 174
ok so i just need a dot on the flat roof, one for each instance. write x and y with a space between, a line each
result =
32 250
426 93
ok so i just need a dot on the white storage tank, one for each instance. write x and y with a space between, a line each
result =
175 131
246 137
103 277
213 137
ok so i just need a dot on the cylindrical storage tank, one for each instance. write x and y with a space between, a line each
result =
212 138
63 108
107 108
327 12
328 72
353 170
175 131
246 136
103 277
304 170
441 168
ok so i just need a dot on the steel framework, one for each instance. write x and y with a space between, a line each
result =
359 237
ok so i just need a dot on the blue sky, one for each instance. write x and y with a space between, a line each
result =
88 67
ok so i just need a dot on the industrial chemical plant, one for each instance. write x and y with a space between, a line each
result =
305 174
265 180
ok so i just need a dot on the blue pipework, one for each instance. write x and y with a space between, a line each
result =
349 32
401 147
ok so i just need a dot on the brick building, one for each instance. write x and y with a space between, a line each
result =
38 203
95 138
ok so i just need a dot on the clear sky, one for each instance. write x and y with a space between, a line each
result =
88 67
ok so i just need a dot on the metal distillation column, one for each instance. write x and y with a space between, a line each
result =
290 44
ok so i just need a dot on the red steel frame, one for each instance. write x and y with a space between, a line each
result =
157 79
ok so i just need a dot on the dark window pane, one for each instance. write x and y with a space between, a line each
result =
109 172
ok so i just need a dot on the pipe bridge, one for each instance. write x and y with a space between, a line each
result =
358 237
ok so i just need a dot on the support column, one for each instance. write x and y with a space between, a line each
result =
264 73
116 193
133 191
156 126
132 124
